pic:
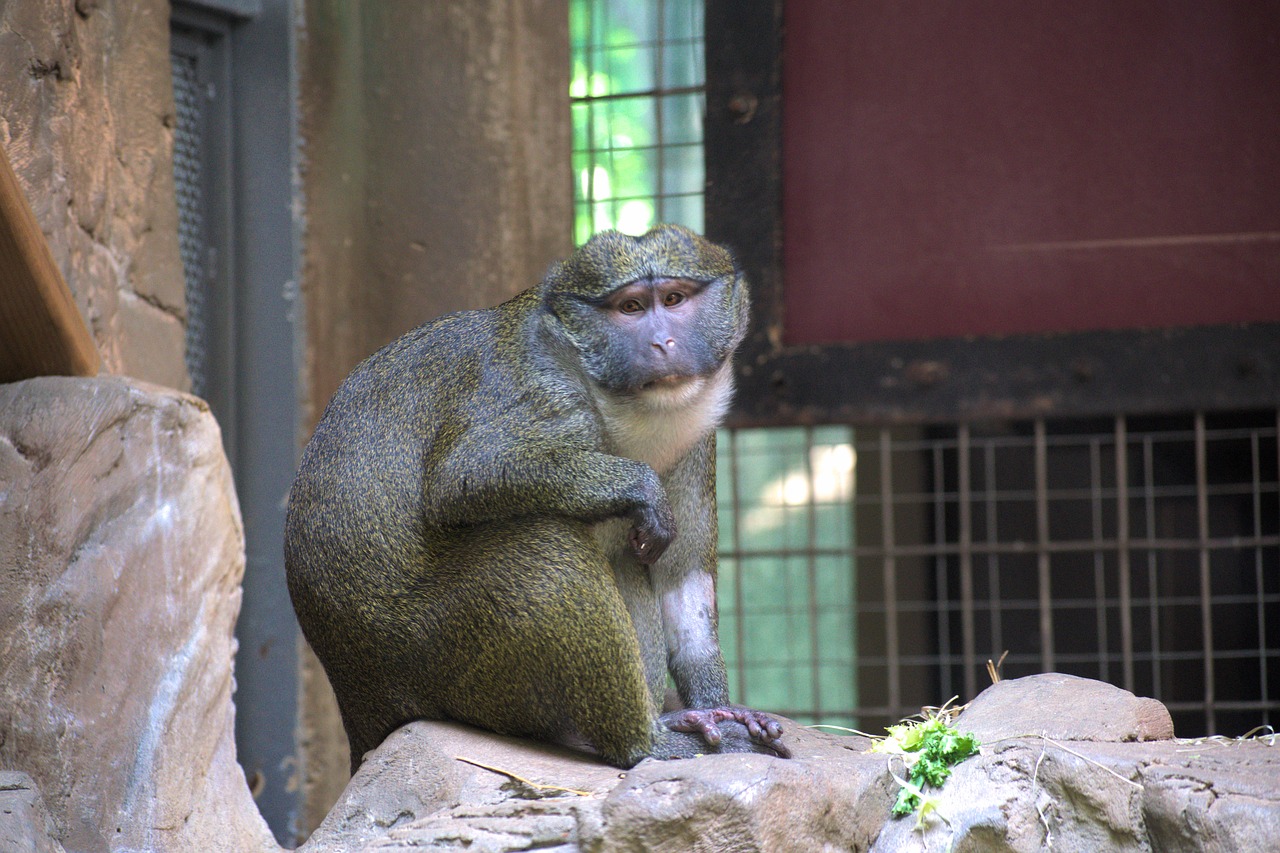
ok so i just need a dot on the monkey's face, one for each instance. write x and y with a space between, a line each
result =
650 316
655 338
658 341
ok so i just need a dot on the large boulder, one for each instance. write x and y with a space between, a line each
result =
1076 766
446 786
121 554
1066 707
424 787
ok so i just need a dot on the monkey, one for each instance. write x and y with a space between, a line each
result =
507 516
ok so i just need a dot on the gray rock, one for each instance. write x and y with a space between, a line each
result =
24 824
1072 764
121 554
1031 794
1213 794
1065 707
414 791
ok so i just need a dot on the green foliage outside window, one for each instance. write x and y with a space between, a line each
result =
636 92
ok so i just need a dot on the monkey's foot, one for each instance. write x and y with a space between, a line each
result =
763 729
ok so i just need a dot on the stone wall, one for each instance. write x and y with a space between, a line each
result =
436 165
86 119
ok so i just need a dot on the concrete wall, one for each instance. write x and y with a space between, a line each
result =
436 146
436 177
86 119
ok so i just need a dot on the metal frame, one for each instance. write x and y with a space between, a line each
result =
952 566
251 143
1211 367
203 38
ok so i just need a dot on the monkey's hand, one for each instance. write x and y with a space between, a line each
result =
763 729
653 530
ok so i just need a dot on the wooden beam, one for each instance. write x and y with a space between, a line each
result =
41 330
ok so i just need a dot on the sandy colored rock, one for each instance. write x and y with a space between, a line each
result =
1065 707
414 791
122 553
24 824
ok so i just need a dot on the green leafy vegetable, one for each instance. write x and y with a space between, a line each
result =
929 749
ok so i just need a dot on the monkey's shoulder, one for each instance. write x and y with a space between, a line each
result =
464 370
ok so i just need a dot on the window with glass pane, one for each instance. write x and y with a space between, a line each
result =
637 95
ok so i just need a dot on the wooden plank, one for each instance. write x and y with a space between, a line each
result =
41 330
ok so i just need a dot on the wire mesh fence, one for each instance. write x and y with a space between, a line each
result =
1140 551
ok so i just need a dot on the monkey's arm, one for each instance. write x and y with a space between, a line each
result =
685 583
489 476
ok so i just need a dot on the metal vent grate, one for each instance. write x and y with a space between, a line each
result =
192 242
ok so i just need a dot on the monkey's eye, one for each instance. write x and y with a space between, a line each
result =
631 306
673 299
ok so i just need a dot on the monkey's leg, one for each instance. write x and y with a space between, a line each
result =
540 640
684 582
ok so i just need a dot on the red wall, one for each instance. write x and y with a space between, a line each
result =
987 168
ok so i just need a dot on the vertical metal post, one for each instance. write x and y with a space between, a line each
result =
1099 558
1122 551
660 152
1206 588
1259 579
1042 547
267 412
942 596
811 571
993 559
890 572
1153 575
739 632
967 629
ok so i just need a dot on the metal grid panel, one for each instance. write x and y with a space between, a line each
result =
188 175
637 100
787 597
1144 552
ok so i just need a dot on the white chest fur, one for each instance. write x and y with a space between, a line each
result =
661 425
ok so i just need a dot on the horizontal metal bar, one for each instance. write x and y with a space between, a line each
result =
1227 543
1055 440
1009 605
896 712
646 93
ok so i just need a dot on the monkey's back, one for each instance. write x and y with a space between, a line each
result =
358 552
363 467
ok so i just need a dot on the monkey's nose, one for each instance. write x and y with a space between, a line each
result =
663 345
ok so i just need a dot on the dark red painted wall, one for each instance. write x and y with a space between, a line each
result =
987 168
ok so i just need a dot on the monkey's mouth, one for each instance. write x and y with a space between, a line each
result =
664 382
